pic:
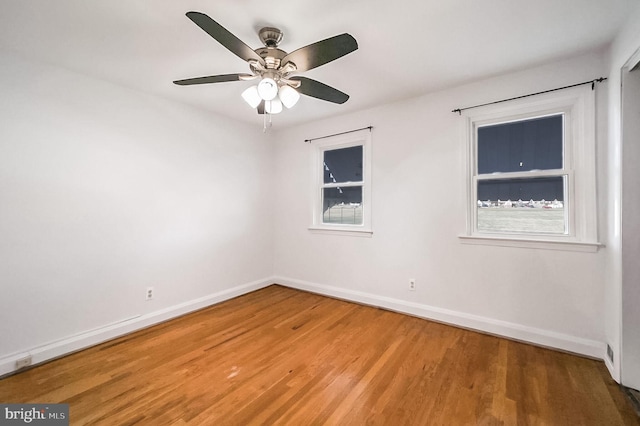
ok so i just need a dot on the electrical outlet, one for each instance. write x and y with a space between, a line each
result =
610 353
412 284
24 362
149 294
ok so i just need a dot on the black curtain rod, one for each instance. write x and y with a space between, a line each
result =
592 82
338 134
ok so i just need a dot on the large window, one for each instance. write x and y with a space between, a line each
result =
341 191
531 168
521 180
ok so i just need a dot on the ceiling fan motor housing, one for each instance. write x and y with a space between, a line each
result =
272 56
270 36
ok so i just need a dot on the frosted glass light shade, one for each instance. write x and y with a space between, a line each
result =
268 88
288 95
273 106
252 97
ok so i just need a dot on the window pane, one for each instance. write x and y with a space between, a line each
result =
519 146
342 205
343 165
533 205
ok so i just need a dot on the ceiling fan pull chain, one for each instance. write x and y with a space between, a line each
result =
264 122
265 125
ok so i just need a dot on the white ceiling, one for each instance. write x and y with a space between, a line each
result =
405 47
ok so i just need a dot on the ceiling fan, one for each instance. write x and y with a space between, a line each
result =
278 85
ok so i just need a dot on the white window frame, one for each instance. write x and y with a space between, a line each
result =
579 166
358 138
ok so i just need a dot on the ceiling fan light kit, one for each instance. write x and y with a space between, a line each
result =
289 96
273 106
267 88
276 68
252 97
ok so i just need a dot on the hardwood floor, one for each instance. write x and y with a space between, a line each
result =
282 356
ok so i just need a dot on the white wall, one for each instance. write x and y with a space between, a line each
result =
105 191
548 297
623 47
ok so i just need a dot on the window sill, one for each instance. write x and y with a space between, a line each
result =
530 243
344 231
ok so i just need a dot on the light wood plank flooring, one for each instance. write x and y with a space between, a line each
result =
282 356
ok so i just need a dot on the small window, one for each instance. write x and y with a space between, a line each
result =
531 172
342 186
342 200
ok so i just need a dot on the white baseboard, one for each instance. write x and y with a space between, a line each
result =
615 372
611 368
546 338
107 332
564 342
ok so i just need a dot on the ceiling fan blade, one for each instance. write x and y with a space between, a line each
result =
212 79
321 52
319 90
224 37
260 108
